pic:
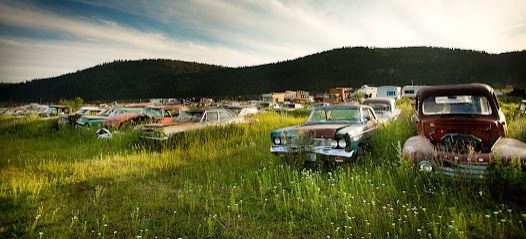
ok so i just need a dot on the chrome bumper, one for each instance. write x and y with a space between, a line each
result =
322 150
154 138
465 170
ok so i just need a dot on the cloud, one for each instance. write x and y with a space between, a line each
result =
92 42
237 33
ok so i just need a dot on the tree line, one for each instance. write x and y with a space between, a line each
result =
348 67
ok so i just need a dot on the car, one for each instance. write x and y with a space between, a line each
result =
148 114
122 117
164 114
189 120
54 111
461 131
385 108
267 105
95 120
242 110
85 110
336 132
290 107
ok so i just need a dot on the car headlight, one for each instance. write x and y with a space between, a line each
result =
276 140
334 143
342 143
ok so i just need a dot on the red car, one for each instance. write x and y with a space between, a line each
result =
461 130
149 114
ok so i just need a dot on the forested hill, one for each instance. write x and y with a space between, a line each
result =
350 67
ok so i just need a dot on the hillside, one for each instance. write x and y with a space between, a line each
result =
338 67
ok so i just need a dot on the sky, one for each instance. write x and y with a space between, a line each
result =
40 39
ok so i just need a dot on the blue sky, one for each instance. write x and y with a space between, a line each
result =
41 39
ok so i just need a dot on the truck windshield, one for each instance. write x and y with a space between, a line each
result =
456 104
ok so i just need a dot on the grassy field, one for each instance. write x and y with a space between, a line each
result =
224 183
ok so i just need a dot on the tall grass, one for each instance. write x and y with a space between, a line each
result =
223 182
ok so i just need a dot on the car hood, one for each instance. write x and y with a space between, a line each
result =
316 130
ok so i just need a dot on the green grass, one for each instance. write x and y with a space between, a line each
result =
223 182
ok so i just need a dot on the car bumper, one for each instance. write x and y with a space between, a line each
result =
155 138
321 150
465 170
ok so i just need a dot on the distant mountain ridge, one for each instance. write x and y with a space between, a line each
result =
349 67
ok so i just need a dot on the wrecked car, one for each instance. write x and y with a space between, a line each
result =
336 132
242 110
95 120
124 117
189 120
55 110
85 110
150 114
461 131
385 108
164 114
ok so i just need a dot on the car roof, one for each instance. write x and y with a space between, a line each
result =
351 107
379 99
459 89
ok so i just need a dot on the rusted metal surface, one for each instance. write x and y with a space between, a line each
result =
461 141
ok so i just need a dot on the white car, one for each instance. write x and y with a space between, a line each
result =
385 108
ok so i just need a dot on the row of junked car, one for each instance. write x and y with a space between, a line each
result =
42 111
158 122
461 129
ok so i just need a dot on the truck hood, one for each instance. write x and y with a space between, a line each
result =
487 131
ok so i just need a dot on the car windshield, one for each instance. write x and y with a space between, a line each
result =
189 116
236 110
117 112
456 104
155 112
105 112
334 115
380 107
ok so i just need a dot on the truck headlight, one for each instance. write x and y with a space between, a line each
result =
276 140
342 143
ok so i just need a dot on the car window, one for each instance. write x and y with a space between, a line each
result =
189 116
331 115
155 112
223 115
211 117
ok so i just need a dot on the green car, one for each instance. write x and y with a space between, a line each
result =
95 120
336 132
